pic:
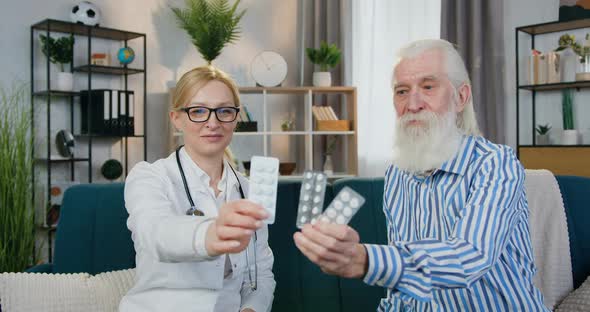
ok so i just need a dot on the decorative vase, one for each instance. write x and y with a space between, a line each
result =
543 139
322 79
64 81
569 62
569 137
537 69
328 166
553 67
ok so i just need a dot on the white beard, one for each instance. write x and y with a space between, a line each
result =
426 146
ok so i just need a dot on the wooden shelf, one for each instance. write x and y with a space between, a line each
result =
114 136
556 86
545 28
56 93
60 160
107 70
554 146
299 176
333 132
292 90
84 30
310 143
248 133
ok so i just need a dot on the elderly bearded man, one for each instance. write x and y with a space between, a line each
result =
454 202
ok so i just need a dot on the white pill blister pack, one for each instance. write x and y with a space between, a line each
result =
344 206
311 197
264 174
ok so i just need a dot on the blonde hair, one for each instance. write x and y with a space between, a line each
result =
192 81
456 72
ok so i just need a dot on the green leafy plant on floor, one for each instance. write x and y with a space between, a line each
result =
60 51
543 129
327 56
17 224
211 24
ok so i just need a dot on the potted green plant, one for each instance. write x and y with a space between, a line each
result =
60 52
570 134
211 24
543 134
327 56
17 223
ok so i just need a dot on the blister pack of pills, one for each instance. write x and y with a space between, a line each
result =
344 206
311 197
264 174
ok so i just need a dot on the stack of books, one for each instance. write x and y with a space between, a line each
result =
326 119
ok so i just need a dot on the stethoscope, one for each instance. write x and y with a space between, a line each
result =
194 211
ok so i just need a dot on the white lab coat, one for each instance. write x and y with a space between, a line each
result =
174 272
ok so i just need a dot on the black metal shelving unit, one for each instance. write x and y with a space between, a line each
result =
567 152
534 30
81 71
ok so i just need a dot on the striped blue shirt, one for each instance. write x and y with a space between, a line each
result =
459 238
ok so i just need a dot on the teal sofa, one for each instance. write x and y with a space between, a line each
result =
92 237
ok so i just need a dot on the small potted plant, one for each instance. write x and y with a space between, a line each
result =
210 24
327 56
543 134
60 51
288 123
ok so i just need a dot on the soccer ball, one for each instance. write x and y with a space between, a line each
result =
85 13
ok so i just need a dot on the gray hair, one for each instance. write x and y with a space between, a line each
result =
456 73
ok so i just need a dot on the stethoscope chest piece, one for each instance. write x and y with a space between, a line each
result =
192 211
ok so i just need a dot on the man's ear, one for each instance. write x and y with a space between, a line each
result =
464 94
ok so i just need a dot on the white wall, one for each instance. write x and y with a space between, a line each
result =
267 25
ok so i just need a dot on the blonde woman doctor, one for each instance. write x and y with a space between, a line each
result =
200 245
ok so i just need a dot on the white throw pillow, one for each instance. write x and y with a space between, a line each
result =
64 292
578 300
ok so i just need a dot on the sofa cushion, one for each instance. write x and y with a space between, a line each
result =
578 300
64 292
575 191
92 234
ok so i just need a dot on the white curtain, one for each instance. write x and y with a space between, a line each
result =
373 31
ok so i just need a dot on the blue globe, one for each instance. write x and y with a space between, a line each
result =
126 55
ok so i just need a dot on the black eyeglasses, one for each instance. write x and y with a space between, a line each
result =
202 113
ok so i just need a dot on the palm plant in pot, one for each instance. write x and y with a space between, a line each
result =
17 224
60 52
327 56
211 24
543 134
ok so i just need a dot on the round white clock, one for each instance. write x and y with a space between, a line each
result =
268 69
